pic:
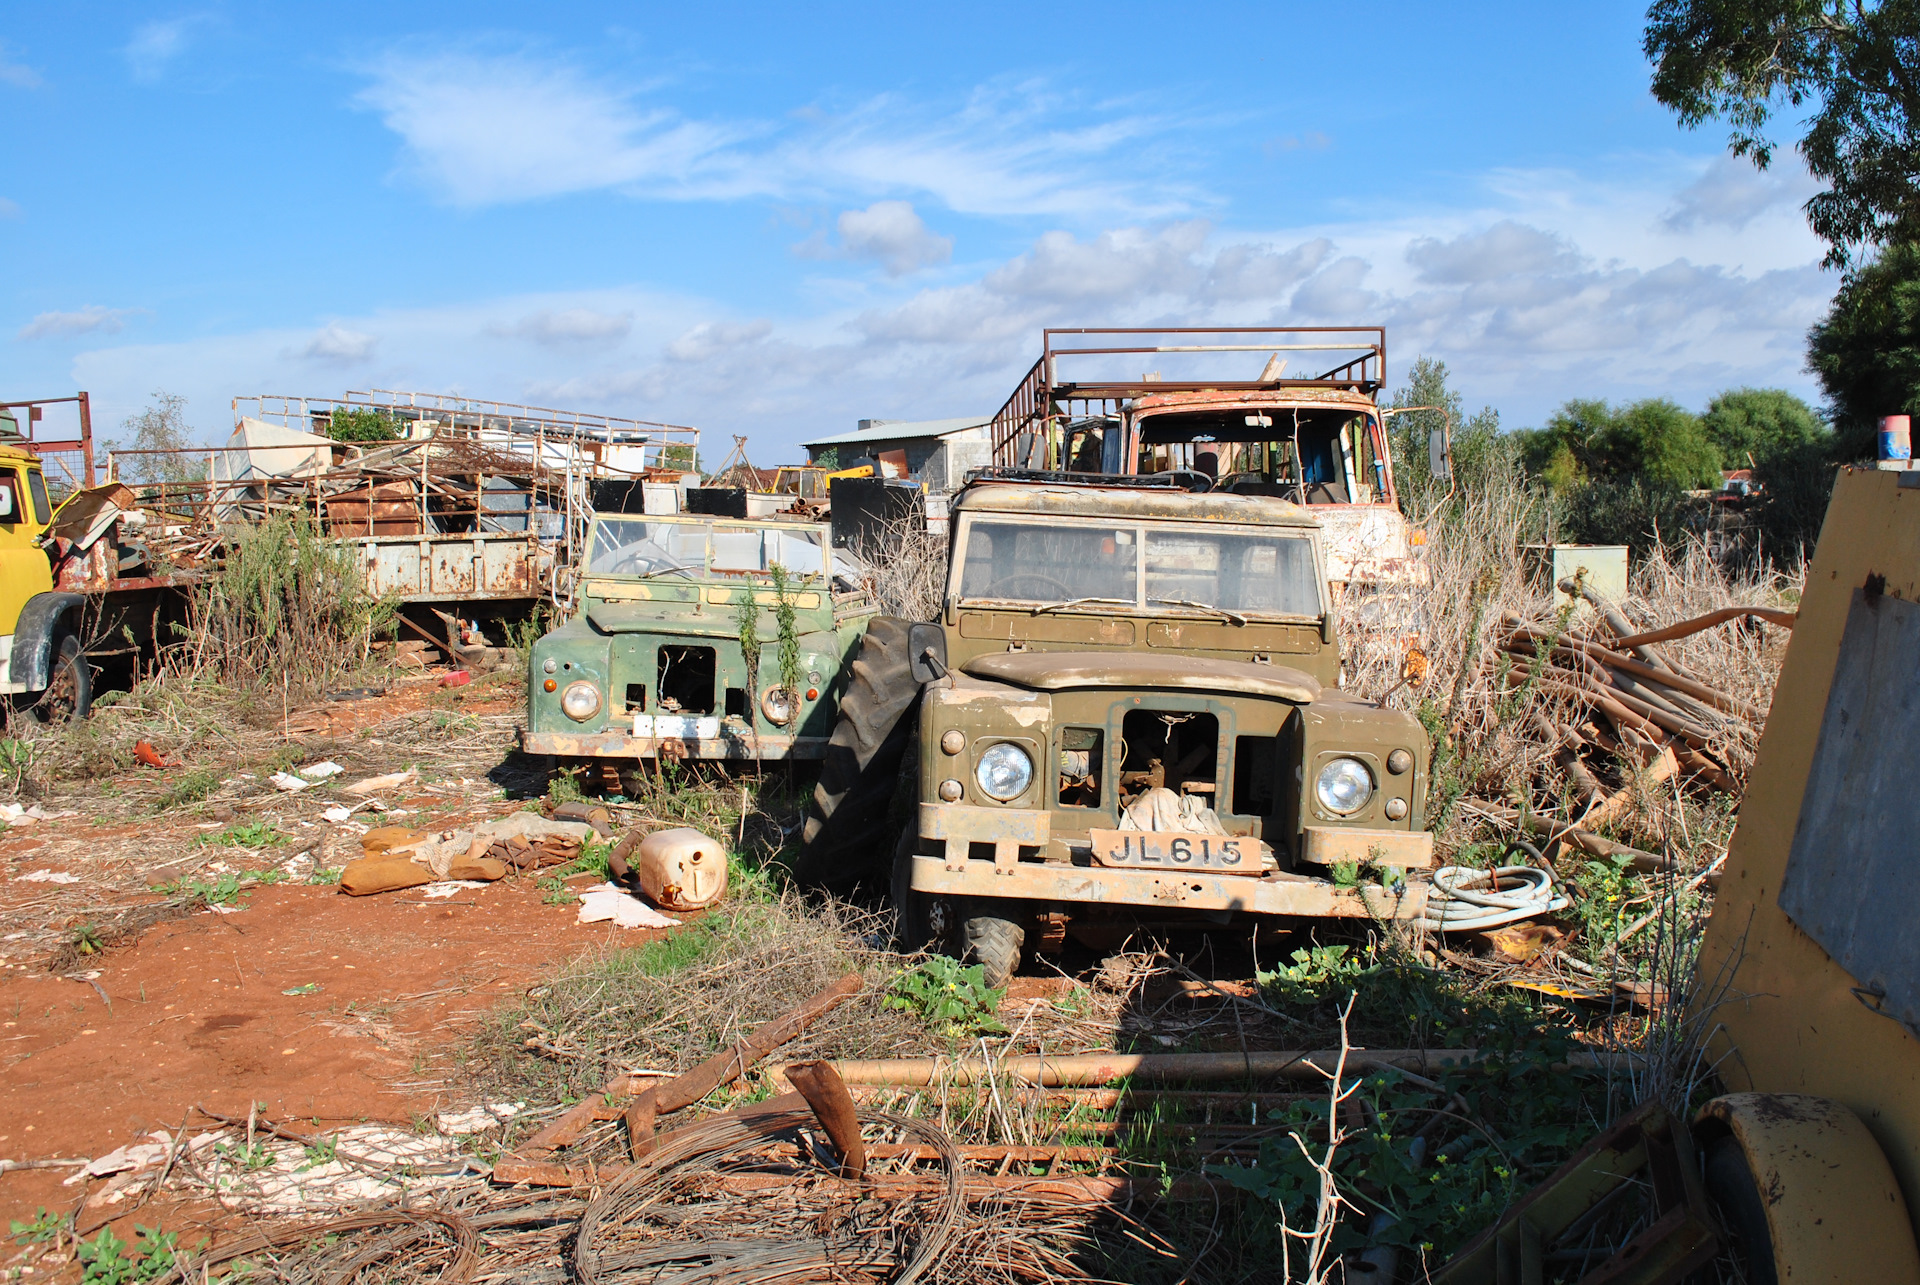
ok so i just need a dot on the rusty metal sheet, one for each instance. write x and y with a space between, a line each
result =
1855 832
1226 854
444 568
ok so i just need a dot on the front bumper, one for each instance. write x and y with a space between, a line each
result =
725 745
956 827
1276 894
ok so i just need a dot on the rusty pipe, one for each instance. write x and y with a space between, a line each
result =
827 1094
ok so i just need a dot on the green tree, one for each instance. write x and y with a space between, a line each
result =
361 424
1749 425
1655 441
1866 351
1857 62
160 427
1479 447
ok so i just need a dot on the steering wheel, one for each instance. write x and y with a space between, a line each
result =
1022 577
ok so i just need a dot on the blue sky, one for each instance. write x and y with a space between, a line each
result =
775 220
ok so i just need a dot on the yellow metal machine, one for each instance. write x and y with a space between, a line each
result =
1817 922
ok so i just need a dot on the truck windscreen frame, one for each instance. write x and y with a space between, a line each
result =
652 547
1269 572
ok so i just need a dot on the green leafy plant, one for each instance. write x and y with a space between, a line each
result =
16 762
949 996
87 939
786 624
193 787
1314 970
41 1229
222 891
326 877
564 787
244 834
323 1152
361 424
746 623
105 1259
1605 888
246 1156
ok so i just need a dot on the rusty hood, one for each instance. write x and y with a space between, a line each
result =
1053 671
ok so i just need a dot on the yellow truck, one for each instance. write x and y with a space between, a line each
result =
43 665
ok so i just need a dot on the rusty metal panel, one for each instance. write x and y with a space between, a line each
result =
1851 879
727 744
449 568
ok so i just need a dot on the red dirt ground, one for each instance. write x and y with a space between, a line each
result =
199 1017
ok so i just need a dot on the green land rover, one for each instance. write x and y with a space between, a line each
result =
1125 719
653 664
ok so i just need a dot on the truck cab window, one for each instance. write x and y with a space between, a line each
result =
42 508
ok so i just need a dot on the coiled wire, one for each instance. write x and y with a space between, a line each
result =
1464 899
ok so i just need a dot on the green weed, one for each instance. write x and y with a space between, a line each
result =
323 1152
104 1260
39 1230
950 997
222 891
245 834
196 785
325 878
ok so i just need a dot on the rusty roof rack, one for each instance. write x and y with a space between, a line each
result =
1173 480
1043 399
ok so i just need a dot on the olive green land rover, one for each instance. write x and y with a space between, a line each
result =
1125 719
652 664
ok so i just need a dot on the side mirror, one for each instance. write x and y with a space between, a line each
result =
926 652
1439 454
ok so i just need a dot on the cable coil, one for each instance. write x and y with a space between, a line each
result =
1464 899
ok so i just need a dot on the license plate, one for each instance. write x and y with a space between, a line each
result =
685 726
1174 850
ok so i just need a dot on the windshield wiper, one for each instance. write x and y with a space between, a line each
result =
667 571
1232 616
1078 602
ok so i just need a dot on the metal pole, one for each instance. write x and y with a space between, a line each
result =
86 435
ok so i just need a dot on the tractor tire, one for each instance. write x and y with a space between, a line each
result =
846 832
995 945
69 694
914 910
1731 1185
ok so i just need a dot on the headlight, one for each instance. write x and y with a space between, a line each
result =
1344 786
580 702
779 706
1005 771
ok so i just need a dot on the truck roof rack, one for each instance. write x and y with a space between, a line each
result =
1043 398
1174 480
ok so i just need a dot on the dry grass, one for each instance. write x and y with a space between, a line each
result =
909 570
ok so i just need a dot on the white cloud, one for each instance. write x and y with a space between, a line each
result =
156 44
1547 288
81 321
568 326
17 74
486 129
336 345
1732 193
9 209
888 231
709 339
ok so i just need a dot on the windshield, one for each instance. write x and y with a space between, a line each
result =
642 547
1234 570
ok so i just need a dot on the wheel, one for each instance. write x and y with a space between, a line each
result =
1026 577
69 693
846 830
995 945
1730 1183
913 909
